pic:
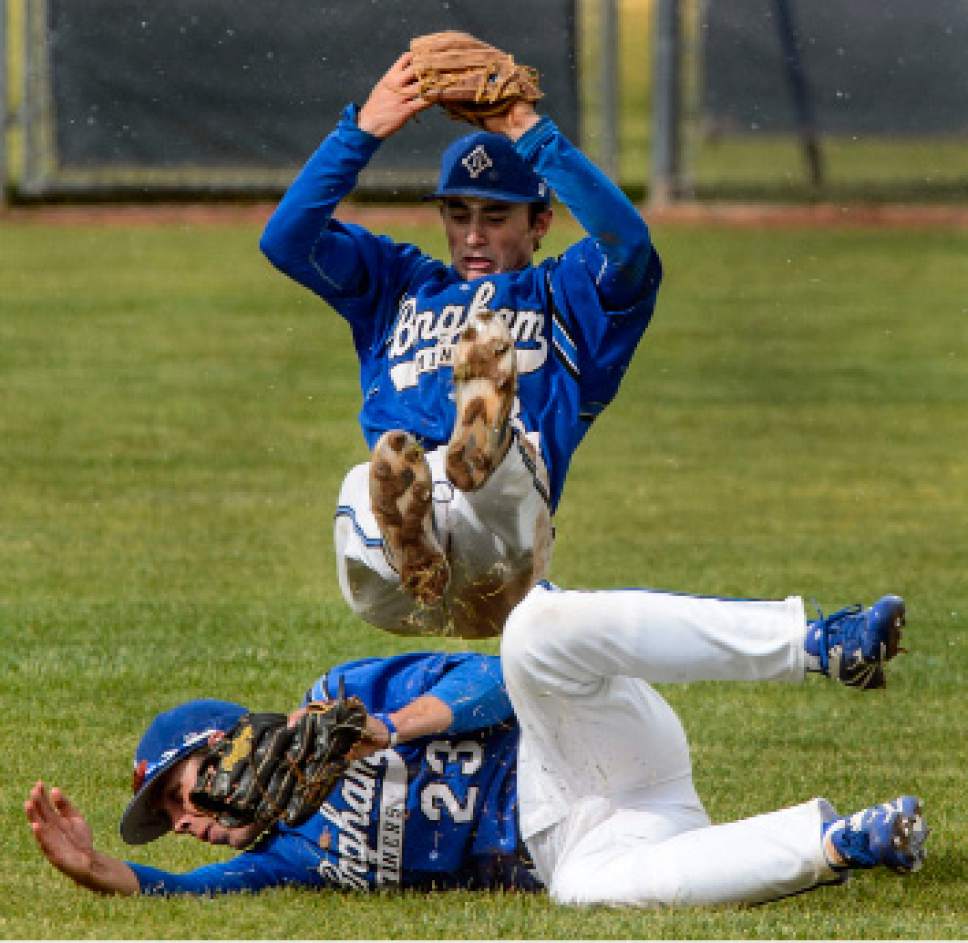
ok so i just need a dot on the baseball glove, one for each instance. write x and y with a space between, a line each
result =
264 770
470 79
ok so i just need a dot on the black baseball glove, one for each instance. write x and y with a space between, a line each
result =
265 770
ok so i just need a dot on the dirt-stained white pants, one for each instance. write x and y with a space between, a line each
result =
607 804
497 541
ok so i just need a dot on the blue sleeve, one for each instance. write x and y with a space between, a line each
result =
301 238
619 254
475 692
221 878
282 860
347 266
471 685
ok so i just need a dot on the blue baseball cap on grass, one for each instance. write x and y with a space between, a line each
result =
170 737
487 166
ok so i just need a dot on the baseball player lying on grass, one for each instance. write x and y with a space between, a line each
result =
556 765
479 377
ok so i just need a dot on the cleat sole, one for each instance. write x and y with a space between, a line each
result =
485 383
401 501
909 835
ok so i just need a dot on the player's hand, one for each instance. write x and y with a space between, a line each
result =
394 100
61 831
515 121
296 716
376 738
67 842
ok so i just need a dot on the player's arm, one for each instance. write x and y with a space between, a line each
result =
474 692
65 839
301 238
430 695
622 271
422 717
469 696
282 861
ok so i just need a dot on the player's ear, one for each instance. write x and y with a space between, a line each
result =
540 224
215 736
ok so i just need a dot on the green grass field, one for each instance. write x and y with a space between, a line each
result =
175 420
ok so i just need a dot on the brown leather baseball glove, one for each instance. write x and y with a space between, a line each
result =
470 79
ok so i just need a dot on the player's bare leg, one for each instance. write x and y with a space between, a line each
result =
485 383
401 500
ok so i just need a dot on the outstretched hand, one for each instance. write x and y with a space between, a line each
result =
394 100
61 831
66 840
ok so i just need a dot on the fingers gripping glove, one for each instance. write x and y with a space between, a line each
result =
264 770
470 79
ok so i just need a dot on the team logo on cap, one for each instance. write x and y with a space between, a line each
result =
477 161
138 777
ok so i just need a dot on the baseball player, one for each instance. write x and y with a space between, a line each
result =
557 764
479 377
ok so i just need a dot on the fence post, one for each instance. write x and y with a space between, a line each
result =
28 93
796 74
3 103
665 182
608 80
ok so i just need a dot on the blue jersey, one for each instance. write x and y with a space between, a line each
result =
576 319
440 811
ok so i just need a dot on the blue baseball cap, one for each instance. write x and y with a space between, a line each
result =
487 166
170 737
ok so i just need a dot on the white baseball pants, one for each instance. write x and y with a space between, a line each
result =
607 804
494 538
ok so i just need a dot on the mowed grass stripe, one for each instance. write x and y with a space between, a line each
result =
176 419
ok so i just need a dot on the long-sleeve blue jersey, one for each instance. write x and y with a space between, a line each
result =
439 811
576 319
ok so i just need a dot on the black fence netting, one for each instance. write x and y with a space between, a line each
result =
870 66
217 94
866 99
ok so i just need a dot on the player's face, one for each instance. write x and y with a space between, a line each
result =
185 819
486 237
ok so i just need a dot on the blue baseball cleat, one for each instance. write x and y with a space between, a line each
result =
853 643
892 834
